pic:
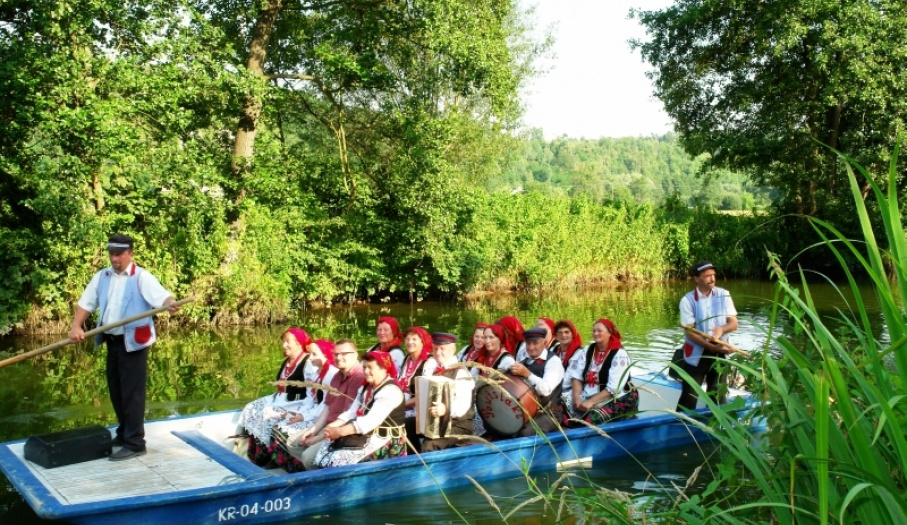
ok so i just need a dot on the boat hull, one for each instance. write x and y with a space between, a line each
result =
257 496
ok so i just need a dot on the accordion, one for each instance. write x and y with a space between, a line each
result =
432 389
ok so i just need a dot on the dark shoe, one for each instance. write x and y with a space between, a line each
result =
118 442
124 454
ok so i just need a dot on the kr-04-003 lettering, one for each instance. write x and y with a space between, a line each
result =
246 510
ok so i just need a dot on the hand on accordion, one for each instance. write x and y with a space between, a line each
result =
438 409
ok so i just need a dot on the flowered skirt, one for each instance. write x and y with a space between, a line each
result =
259 416
377 447
610 410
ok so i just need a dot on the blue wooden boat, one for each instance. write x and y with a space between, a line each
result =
191 475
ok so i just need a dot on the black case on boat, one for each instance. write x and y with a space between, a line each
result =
68 446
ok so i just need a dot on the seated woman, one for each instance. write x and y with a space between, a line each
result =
548 325
302 414
418 345
567 342
387 330
602 390
372 428
513 334
259 416
493 356
472 351
460 407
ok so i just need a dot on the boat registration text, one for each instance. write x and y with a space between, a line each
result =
244 511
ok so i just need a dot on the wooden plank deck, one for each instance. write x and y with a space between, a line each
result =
170 465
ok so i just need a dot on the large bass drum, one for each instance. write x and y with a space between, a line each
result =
505 408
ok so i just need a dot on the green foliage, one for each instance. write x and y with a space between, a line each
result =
835 450
759 86
641 170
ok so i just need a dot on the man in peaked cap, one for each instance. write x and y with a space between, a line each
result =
709 309
543 371
119 291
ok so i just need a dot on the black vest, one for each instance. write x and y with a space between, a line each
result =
411 383
606 366
538 369
397 417
295 393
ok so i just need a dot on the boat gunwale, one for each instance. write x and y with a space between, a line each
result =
46 504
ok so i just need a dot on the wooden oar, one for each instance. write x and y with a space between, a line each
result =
711 339
98 330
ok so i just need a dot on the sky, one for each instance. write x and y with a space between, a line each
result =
595 85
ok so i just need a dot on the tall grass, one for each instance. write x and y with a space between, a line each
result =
834 400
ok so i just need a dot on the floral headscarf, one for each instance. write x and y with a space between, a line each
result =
384 361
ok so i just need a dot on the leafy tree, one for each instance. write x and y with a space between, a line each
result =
760 86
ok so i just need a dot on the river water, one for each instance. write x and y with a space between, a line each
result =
192 371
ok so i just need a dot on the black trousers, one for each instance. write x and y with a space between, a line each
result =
127 375
706 370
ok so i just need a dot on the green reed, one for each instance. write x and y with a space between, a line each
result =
833 396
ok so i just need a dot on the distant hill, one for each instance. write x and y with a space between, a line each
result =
631 169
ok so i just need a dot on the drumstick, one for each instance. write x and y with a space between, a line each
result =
712 340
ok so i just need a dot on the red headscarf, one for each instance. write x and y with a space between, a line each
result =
575 343
301 336
395 329
384 361
513 332
424 336
498 332
549 323
613 341
327 348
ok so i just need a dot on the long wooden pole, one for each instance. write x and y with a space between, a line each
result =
711 339
98 330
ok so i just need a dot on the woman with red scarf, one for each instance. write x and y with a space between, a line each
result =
418 345
602 390
302 414
387 331
472 351
566 342
513 333
372 428
493 356
259 416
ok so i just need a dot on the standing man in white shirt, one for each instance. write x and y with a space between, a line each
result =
709 309
119 291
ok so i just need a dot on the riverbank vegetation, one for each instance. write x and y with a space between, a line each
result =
269 158
835 449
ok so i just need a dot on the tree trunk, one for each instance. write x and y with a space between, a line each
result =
243 147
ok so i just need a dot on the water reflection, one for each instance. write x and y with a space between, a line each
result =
193 371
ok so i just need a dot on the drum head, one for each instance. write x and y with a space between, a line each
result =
500 407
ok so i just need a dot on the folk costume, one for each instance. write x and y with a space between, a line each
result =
546 373
471 353
572 366
704 312
310 407
117 296
604 369
513 333
260 416
377 415
462 407
394 346
500 361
